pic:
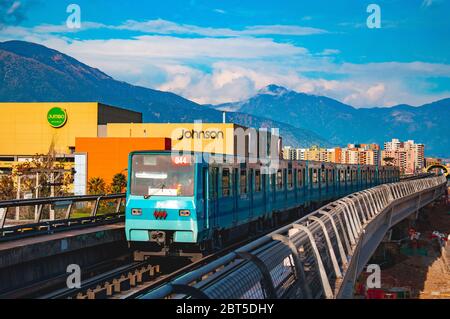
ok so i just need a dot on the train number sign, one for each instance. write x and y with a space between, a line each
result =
183 160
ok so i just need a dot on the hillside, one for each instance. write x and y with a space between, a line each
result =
341 124
31 73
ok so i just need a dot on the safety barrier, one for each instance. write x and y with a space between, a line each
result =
47 225
318 256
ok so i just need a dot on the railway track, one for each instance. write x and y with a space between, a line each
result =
131 280
43 287
136 278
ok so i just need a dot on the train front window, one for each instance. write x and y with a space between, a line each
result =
162 175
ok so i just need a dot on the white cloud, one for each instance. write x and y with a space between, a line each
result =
14 7
330 52
216 69
427 3
165 27
161 26
184 49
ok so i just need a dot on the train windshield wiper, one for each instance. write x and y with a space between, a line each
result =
159 187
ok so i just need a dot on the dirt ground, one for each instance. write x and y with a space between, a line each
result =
428 276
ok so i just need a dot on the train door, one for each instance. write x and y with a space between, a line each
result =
213 196
235 194
251 190
205 197
264 187
273 188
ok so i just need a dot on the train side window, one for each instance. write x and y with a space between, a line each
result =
213 182
257 180
290 180
272 181
243 181
279 179
299 178
315 178
226 182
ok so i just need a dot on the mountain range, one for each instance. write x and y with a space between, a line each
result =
341 124
31 72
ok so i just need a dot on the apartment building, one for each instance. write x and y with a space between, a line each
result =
408 156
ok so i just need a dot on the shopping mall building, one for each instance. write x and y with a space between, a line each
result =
96 139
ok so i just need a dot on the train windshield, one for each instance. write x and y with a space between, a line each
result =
162 175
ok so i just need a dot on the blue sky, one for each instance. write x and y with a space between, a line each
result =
222 51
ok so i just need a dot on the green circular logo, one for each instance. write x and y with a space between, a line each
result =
57 117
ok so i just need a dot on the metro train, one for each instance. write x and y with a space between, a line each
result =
200 201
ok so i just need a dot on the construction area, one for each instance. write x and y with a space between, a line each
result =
415 259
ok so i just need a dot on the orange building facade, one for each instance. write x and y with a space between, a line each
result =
104 157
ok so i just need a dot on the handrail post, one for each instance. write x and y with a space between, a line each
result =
297 262
268 285
96 205
3 217
338 238
38 216
337 270
322 272
69 210
119 202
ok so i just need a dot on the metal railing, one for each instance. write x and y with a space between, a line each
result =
94 213
416 176
318 256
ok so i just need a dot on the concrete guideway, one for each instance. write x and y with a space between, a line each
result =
318 256
26 261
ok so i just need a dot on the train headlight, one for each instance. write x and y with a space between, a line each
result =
185 213
136 212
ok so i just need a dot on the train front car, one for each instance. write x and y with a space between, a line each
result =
161 209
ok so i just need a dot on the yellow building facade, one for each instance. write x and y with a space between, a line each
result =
220 138
27 129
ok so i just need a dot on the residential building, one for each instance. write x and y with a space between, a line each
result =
408 156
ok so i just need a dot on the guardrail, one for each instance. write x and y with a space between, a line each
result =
416 176
46 225
318 256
